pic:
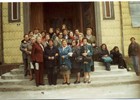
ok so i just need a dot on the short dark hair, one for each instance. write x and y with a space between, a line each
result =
50 40
132 38
84 39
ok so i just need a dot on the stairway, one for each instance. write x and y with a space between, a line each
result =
15 80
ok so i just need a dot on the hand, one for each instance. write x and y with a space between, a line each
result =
49 57
84 54
63 57
52 58
25 49
56 54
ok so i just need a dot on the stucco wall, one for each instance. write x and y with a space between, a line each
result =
12 35
111 29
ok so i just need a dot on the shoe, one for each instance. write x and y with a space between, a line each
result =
68 83
64 83
76 82
137 74
85 82
89 82
42 84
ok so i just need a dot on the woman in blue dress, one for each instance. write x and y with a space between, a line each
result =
64 52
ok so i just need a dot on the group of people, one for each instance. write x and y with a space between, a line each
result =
64 51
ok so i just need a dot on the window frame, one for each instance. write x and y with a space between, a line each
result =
10 12
112 15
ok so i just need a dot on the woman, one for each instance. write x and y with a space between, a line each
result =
37 58
70 37
30 63
106 59
64 52
133 52
117 58
45 40
91 38
58 40
76 64
80 41
51 62
87 53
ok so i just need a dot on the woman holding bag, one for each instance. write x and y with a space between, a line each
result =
87 53
64 53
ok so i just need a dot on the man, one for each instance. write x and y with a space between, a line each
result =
23 49
133 52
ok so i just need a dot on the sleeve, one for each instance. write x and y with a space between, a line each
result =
21 48
91 51
33 53
69 51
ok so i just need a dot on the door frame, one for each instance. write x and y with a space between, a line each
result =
26 10
1 35
98 23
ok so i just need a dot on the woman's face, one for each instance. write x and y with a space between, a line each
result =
50 43
74 43
26 37
80 37
39 40
33 40
103 47
60 36
51 30
88 32
47 37
71 34
117 49
43 34
64 43
85 41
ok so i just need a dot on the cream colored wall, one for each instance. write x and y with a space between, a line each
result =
128 30
12 35
111 29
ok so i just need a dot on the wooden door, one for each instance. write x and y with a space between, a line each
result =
36 16
88 15
1 39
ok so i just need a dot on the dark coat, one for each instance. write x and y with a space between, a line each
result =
23 46
104 52
37 53
90 53
76 53
133 49
50 52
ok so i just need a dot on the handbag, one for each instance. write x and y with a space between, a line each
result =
64 68
107 59
79 59
87 59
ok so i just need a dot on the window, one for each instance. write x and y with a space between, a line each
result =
108 10
14 12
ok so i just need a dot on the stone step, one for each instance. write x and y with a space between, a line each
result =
72 79
100 73
21 71
6 86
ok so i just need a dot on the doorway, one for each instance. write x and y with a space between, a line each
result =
76 15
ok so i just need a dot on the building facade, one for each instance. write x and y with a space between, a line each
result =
111 23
